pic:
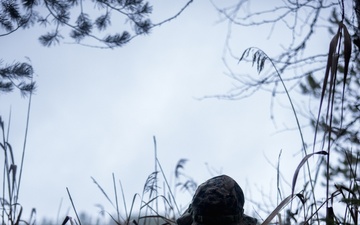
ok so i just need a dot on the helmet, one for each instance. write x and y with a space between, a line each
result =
220 200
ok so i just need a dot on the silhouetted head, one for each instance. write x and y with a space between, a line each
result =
218 201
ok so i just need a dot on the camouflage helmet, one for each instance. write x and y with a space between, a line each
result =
219 200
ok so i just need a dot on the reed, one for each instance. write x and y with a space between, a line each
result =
11 209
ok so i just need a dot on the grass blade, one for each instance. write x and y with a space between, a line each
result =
347 56
168 186
72 203
124 200
102 190
332 51
131 208
116 199
303 161
276 211
24 144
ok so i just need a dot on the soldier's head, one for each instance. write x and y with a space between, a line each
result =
218 201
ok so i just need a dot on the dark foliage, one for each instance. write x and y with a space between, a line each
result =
85 22
18 75
79 18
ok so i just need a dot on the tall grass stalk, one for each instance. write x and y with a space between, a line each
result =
11 209
260 57
73 206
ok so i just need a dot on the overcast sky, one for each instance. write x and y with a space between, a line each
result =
95 113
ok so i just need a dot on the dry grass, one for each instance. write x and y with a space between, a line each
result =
348 195
11 209
149 207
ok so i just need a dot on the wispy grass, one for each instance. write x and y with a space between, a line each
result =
350 198
156 204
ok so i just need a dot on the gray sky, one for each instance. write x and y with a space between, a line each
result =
96 111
